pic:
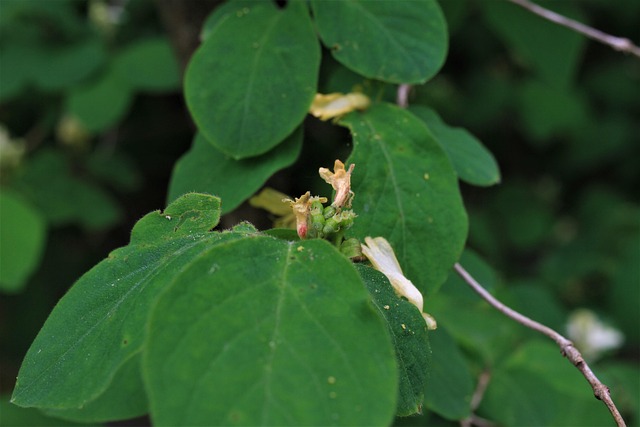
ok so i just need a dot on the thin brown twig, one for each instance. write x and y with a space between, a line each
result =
476 399
600 391
618 43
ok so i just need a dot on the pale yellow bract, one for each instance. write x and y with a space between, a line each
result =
337 104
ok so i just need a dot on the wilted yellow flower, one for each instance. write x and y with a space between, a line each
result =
340 180
380 253
332 105
276 203
301 207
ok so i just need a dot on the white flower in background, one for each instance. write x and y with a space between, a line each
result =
381 255
590 335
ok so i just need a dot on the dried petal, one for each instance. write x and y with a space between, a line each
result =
301 207
340 180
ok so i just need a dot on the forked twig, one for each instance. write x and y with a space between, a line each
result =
600 391
618 43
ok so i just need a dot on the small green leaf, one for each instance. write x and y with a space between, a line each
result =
206 169
474 164
22 238
98 326
406 191
251 82
398 42
450 382
409 335
149 65
269 332
100 103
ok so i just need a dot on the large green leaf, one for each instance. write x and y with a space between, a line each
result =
22 238
206 169
406 190
251 82
98 326
261 331
394 41
408 331
474 164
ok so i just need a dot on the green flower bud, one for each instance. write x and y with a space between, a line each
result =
331 226
329 211
352 249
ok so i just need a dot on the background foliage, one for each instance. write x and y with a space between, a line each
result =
95 123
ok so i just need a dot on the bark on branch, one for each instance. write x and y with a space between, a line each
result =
600 391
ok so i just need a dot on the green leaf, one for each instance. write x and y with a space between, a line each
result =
206 169
409 335
124 399
98 326
22 238
450 382
406 191
101 103
398 42
537 386
555 51
548 112
149 65
269 332
63 198
251 82
15 416
65 67
472 161
18 62
519 398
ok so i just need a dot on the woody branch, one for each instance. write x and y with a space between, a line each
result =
600 391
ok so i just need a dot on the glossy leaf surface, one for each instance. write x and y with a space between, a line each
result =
406 191
206 169
472 161
269 332
397 42
251 82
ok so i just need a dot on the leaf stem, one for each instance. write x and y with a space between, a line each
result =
402 95
618 43
600 391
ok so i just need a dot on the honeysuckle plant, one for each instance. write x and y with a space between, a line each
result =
321 319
